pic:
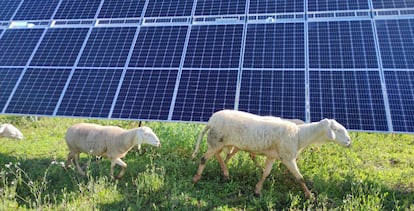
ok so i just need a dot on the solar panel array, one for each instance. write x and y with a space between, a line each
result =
183 60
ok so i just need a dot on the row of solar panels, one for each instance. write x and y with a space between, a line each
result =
359 72
89 9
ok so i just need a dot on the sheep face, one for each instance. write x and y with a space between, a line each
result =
9 131
149 137
337 133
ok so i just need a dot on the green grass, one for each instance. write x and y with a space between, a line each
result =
376 173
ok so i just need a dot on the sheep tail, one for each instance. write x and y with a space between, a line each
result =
200 137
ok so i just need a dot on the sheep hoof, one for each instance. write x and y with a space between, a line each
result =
196 178
226 178
257 194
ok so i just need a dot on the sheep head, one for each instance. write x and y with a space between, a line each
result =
336 132
147 136
9 131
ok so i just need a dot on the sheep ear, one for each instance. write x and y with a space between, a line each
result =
329 132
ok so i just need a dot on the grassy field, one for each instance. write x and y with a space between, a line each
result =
376 173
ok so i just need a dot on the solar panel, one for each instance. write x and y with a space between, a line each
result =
59 47
107 47
342 44
159 47
276 6
17 45
334 5
183 60
121 9
396 40
273 92
90 93
36 10
224 45
38 92
353 98
8 80
202 92
146 94
220 7
169 8
77 9
8 8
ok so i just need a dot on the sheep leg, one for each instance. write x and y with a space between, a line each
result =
268 167
76 159
206 156
293 168
222 166
123 166
69 160
232 152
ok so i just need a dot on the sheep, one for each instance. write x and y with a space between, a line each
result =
281 140
107 141
10 131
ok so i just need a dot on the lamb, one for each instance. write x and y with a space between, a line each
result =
10 131
107 141
281 140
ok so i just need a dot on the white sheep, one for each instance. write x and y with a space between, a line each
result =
281 140
10 131
107 141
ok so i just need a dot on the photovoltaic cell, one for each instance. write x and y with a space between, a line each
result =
353 98
169 8
17 45
77 9
159 47
273 92
90 93
276 6
220 7
107 47
7 9
392 4
201 93
275 46
335 5
214 46
396 40
38 92
343 44
59 47
36 10
8 79
400 90
145 94
121 9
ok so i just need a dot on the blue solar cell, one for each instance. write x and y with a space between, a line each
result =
276 93
77 9
36 10
202 92
8 79
276 6
7 9
169 8
38 92
275 46
396 40
353 98
145 94
335 5
17 45
90 93
344 44
391 4
107 47
220 7
400 90
121 9
214 46
59 47
159 47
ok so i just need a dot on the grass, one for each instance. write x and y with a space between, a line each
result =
376 173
